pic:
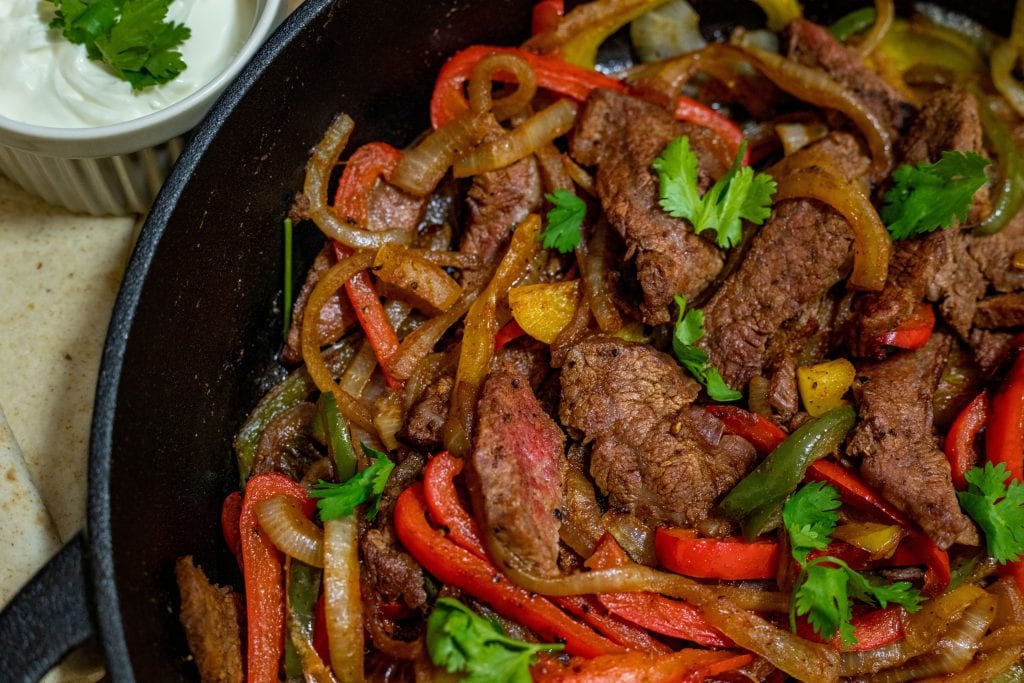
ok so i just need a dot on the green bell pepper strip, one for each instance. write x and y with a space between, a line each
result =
853 23
781 472
1009 190
334 428
303 592
297 387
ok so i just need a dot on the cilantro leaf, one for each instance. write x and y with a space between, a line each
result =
689 329
458 639
739 195
998 509
827 586
130 36
341 500
822 596
927 196
810 517
564 221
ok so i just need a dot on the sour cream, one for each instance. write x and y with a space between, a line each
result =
46 80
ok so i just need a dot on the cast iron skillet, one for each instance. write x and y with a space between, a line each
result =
197 323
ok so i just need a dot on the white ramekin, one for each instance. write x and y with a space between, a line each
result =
118 169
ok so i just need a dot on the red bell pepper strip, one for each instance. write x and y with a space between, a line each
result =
546 14
264 577
444 504
650 610
460 568
1004 438
446 509
729 559
509 332
363 168
589 610
351 202
960 448
912 333
449 100
230 514
703 115
764 434
634 667
873 629
372 317
320 642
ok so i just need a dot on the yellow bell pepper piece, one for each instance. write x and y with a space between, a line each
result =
880 540
822 386
543 310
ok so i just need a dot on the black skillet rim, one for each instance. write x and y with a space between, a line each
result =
99 540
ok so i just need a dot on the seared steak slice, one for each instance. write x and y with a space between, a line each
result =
1000 311
812 45
212 617
895 439
424 423
670 258
516 471
393 209
498 200
934 264
793 261
654 452
391 571
995 255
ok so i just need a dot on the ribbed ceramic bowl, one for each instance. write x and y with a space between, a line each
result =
118 169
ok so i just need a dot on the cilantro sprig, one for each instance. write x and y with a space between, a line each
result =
341 500
130 36
564 221
998 508
738 195
458 639
689 329
927 196
825 590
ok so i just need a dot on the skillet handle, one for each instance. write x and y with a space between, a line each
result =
48 618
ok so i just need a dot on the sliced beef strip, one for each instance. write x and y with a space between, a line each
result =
803 250
670 258
336 316
212 617
812 45
934 264
996 254
424 423
897 445
498 201
990 347
654 453
393 209
392 572
516 474
1000 311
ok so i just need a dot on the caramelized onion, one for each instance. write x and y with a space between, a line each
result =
358 372
290 531
884 14
954 650
318 176
478 333
423 166
343 606
921 634
330 282
526 138
415 279
635 537
387 417
1004 59
798 657
595 280
481 84
581 527
420 342
796 136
